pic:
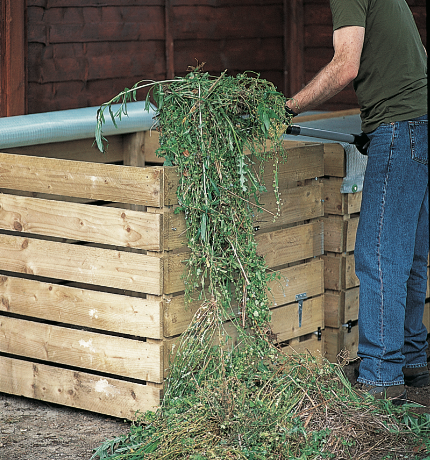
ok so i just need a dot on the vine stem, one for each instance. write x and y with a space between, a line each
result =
240 263
247 201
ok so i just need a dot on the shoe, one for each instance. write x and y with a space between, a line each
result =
416 376
394 393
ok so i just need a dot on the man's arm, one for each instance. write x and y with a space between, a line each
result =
341 70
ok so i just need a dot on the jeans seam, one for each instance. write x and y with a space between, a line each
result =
381 223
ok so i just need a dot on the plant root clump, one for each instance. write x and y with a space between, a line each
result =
231 393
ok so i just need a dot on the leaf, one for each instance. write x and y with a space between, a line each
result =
203 227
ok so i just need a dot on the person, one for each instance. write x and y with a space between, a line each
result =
377 46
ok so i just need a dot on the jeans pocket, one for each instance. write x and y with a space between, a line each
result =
418 133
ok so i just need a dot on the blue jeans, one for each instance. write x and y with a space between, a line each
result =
391 253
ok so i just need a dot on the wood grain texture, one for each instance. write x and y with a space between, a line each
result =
80 179
103 267
81 390
78 150
13 57
80 307
340 340
303 278
339 272
307 277
289 245
104 225
285 320
340 233
340 307
78 348
309 345
339 203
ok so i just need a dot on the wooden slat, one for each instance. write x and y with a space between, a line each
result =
310 345
337 340
105 225
308 277
339 272
341 307
303 278
285 319
340 233
81 390
303 162
80 307
297 204
124 184
83 264
83 349
13 58
339 203
291 244
77 150
174 265
334 160
426 318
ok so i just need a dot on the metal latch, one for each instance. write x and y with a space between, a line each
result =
300 298
348 326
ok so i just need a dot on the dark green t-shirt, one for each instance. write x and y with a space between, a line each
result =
391 84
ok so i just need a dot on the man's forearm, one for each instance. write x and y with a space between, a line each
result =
340 71
322 87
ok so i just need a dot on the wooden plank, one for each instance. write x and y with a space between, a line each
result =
337 340
309 345
83 264
334 160
304 161
13 58
340 233
285 319
294 69
353 202
291 244
174 268
77 150
303 278
426 317
81 390
339 272
307 277
341 307
297 204
150 145
339 203
97 224
124 184
428 283
80 307
79 348
174 230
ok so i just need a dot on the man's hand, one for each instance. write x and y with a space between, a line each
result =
339 72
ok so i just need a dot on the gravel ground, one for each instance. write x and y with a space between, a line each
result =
35 430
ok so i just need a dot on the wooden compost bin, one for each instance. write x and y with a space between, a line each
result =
341 216
91 265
